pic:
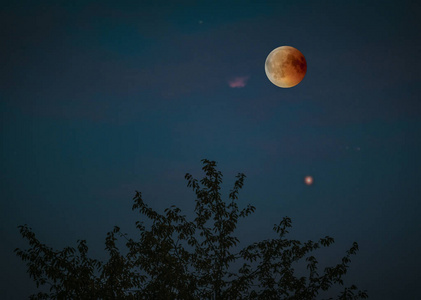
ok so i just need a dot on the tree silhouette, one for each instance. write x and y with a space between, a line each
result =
180 259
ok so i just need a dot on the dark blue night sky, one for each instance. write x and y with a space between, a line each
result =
99 99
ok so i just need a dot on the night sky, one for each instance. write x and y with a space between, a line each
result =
99 99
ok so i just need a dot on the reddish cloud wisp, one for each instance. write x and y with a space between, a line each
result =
238 82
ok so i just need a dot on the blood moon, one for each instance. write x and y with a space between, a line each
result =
308 180
285 66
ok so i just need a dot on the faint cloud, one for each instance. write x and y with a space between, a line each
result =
238 82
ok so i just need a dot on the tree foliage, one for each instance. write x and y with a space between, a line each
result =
175 258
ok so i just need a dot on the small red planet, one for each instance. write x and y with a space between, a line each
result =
308 180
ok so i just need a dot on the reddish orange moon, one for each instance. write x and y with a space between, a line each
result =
308 180
285 66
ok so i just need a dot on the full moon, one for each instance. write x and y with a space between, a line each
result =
285 66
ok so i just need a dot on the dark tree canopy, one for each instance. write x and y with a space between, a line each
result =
178 258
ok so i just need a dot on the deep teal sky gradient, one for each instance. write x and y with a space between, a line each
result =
99 99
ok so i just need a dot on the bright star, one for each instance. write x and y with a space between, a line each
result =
308 180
